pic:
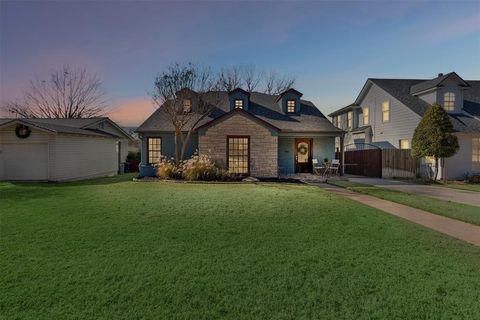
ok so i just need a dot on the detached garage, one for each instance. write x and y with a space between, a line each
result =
61 149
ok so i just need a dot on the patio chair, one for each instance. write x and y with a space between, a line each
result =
318 168
332 168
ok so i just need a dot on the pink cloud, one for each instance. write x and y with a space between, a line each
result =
131 112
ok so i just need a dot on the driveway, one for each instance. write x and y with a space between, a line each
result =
443 193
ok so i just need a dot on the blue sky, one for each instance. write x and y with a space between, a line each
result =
330 47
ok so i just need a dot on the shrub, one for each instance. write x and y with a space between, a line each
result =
199 168
166 169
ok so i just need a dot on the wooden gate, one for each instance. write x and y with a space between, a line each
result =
366 161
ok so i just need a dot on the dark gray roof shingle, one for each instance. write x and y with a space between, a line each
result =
262 106
400 89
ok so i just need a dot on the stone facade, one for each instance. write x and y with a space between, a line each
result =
263 144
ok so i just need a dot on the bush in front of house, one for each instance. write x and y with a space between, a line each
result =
203 168
166 169
197 168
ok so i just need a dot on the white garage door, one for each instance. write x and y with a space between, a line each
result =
25 161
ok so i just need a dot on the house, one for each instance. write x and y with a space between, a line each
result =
249 133
60 149
387 112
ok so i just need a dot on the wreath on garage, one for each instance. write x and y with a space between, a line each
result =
22 131
302 150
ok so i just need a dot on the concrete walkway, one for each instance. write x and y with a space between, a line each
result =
454 228
443 193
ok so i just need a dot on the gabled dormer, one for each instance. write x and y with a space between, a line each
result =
289 101
446 90
239 99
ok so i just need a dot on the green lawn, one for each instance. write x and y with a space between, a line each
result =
463 186
455 210
124 250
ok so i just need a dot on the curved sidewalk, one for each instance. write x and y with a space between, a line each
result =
454 228
456 195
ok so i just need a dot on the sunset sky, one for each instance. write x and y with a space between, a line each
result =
330 47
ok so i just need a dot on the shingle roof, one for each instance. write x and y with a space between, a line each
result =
261 105
70 126
342 110
429 84
400 89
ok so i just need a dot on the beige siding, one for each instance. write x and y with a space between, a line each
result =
79 157
7 136
106 126
263 145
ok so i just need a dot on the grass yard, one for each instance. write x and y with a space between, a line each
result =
114 249
455 210
463 186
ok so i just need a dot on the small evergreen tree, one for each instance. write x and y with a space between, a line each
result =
434 136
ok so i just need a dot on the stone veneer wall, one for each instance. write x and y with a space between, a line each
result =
263 144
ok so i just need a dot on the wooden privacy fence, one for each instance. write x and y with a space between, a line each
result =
399 163
386 163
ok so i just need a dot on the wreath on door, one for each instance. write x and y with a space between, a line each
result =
22 131
302 150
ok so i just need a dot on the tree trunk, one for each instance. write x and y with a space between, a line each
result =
436 170
176 145
184 144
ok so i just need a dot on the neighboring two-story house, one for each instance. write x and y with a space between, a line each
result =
248 133
387 112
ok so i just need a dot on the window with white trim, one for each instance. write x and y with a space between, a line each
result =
291 106
238 103
386 111
449 101
404 144
366 116
350 119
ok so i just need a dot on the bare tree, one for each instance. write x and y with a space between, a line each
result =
230 78
251 78
184 92
68 93
275 84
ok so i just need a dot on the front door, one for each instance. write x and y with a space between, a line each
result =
303 155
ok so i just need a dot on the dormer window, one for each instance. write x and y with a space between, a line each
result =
291 106
187 105
449 101
238 103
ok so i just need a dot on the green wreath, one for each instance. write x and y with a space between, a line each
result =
302 150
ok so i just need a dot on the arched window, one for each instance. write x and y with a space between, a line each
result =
449 101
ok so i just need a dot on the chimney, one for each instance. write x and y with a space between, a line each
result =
440 74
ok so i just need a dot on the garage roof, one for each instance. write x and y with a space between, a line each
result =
69 126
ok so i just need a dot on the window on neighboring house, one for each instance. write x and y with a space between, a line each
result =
404 144
238 103
154 150
476 151
366 116
350 119
187 105
291 105
238 154
337 121
385 111
449 101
